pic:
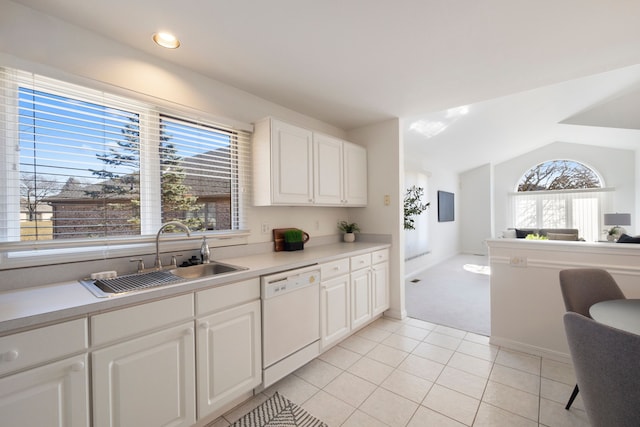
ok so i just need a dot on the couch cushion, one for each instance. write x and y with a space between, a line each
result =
625 238
562 236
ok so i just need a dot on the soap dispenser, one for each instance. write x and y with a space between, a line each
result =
205 253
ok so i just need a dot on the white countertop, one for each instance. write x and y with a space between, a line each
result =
29 307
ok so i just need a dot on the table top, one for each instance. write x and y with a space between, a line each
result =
620 313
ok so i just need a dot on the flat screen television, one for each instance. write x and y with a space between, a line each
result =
445 206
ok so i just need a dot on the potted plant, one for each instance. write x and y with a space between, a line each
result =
293 240
413 206
349 229
613 233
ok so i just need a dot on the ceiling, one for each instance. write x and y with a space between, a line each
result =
351 63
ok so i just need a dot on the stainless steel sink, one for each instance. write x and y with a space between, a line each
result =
204 270
104 288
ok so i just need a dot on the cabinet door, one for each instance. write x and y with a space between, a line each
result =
292 164
335 320
56 394
147 381
380 287
229 356
327 171
360 297
355 174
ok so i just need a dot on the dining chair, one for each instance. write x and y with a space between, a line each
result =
605 360
583 287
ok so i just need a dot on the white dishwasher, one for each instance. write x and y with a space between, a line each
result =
290 321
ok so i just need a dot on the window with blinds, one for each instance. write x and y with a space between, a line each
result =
581 209
83 165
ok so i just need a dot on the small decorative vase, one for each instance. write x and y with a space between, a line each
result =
611 237
349 237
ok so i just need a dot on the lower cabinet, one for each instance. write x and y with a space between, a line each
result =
335 310
380 282
360 298
146 381
353 291
46 380
53 395
228 356
228 345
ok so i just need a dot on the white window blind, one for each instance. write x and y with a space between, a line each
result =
80 165
581 209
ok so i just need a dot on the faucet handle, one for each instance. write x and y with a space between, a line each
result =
174 260
140 264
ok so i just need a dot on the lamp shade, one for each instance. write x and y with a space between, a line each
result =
617 219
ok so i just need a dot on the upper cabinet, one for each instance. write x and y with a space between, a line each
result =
294 166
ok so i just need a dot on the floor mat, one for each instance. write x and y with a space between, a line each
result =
278 411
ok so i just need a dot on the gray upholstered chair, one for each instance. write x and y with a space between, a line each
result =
583 287
608 370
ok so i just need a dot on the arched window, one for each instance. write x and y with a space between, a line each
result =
560 194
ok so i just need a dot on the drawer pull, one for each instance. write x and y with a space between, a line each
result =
336 268
10 356
77 367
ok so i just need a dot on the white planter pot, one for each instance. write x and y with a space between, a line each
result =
349 237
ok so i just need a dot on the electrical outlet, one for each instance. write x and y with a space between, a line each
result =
265 228
518 261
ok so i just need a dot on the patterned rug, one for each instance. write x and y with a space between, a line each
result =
278 411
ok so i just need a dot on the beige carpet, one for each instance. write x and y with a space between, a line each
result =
453 293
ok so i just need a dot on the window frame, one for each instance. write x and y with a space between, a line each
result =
15 253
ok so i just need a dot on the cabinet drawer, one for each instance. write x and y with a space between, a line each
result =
41 345
130 321
216 299
380 256
334 269
360 261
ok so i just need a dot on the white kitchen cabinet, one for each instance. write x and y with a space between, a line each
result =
340 172
293 166
228 344
282 164
355 174
53 392
335 302
361 310
56 394
146 375
146 381
380 281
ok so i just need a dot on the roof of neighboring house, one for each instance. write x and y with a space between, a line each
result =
202 179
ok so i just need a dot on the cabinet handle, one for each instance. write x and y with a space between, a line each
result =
77 366
336 268
189 331
204 325
10 356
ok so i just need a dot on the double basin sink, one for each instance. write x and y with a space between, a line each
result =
103 288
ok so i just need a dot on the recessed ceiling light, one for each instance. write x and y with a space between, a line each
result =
166 40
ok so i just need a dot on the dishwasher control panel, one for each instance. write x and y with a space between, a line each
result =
289 281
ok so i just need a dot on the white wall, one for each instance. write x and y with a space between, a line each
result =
616 166
475 202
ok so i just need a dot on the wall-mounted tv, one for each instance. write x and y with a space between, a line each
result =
445 206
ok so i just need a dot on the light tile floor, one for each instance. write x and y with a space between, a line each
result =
414 373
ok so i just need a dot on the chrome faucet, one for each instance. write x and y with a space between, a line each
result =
158 264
